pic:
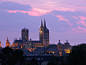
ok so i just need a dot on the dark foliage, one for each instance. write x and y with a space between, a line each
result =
11 57
33 62
78 55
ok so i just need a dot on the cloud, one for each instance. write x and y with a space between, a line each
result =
61 5
34 12
82 18
82 21
82 28
14 6
75 17
61 18
65 19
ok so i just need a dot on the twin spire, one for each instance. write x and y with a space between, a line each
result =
42 23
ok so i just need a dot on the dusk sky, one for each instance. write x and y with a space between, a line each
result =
65 19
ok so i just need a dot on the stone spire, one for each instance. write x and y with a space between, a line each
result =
44 23
7 39
41 24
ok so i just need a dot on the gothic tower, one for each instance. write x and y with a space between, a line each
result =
41 30
44 34
25 35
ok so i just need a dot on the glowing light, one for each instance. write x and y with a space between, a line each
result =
67 50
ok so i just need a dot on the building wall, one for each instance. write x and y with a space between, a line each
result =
44 36
25 35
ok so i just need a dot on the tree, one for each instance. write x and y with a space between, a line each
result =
33 62
11 57
18 57
7 54
77 55
51 63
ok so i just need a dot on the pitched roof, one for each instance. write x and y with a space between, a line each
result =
18 41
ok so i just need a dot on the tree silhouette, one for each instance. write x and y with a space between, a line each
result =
11 57
33 62
77 55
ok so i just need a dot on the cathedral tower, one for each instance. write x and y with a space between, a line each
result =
24 35
41 30
7 42
44 34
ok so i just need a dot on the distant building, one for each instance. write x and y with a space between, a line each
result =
59 49
33 44
44 34
59 46
7 42
18 44
42 59
0 43
25 36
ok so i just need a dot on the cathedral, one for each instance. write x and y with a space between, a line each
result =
25 42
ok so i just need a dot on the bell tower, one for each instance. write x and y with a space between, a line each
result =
41 30
24 35
44 34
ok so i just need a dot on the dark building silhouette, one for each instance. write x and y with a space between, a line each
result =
24 35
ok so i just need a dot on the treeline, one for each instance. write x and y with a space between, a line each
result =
77 56
12 57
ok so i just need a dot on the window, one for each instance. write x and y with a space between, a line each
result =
28 58
38 58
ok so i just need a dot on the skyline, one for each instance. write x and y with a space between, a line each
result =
66 20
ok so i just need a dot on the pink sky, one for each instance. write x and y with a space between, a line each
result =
65 19
61 5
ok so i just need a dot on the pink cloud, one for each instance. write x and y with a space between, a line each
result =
62 18
82 21
12 11
82 17
77 30
34 12
75 17
81 28
77 5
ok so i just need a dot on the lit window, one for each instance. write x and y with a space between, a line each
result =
38 58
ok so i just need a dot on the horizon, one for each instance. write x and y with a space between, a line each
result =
66 20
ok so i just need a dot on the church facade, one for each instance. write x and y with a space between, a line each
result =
26 43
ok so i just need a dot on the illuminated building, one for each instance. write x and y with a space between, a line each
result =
44 34
18 44
59 46
67 47
7 43
33 44
59 49
43 38
0 43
